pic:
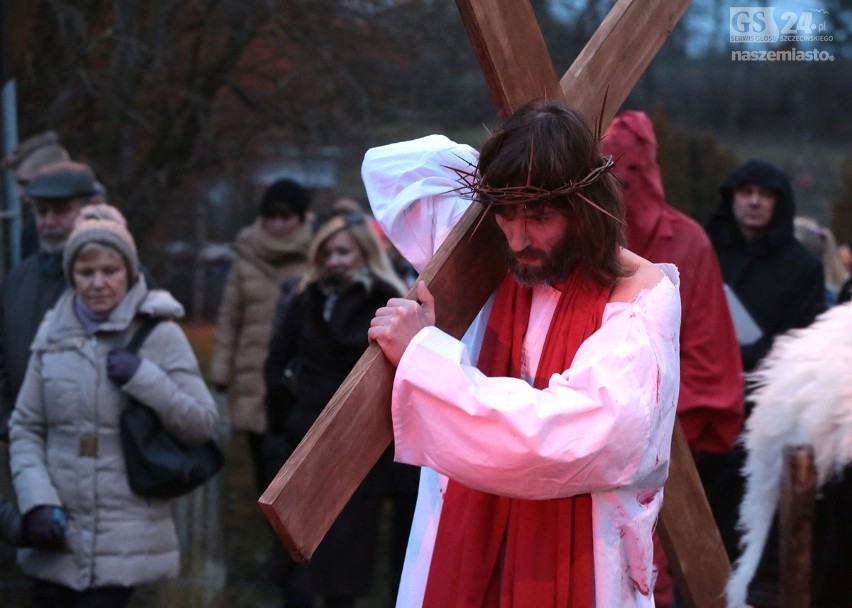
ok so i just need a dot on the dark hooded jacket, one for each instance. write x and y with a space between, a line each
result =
778 281
780 284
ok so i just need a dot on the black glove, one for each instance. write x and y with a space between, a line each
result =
44 527
122 364
10 523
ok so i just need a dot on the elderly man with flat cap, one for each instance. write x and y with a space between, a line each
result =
56 192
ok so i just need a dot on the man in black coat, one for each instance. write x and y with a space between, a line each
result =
779 283
57 193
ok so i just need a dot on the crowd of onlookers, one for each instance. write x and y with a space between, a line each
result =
295 310
293 321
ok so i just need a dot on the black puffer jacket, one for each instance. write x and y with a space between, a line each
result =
776 278
326 349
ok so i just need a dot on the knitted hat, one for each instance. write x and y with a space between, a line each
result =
62 180
105 225
285 195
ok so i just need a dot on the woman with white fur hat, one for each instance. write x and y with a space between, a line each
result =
90 539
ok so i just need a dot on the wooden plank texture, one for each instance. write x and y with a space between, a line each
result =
511 52
354 429
606 69
316 482
796 512
689 534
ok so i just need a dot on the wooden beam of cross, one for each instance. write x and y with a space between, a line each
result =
355 428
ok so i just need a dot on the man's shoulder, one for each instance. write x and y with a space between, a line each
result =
642 275
687 245
26 269
808 259
797 263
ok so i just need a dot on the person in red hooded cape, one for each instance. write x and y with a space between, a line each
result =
710 403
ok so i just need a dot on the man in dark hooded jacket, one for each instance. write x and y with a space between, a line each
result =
778 282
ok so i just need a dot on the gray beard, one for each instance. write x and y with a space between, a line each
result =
52 240
50 247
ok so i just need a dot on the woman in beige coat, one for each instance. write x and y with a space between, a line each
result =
271 251
90 539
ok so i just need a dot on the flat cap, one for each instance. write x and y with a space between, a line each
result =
62 180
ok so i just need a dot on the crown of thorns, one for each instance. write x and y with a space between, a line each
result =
473 186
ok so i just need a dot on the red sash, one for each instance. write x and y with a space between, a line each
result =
498 552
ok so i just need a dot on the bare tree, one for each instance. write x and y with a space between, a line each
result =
153 92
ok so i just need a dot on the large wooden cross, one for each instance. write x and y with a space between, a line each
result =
354 430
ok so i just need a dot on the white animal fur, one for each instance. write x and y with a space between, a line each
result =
802 395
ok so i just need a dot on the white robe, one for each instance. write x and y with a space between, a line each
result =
601 427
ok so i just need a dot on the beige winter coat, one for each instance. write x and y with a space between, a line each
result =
65 448
245 318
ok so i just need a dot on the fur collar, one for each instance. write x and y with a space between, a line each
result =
801 397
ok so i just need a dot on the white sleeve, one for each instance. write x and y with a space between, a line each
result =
412 188
603 423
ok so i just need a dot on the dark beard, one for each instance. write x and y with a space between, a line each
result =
556 266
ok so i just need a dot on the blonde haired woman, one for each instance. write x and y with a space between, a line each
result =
820 241
318 339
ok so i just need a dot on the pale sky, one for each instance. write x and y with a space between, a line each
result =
707 21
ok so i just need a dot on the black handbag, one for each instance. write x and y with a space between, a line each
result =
158 465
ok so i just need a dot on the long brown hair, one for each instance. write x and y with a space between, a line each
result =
547 146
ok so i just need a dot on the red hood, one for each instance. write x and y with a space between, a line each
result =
631 141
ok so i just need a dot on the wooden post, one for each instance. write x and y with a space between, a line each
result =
796 508
347 439
317 481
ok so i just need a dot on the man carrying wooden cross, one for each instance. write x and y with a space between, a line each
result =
546 431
